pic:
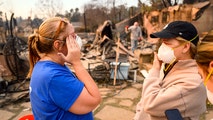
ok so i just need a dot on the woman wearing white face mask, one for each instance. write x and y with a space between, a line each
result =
56 93
204 58
173 81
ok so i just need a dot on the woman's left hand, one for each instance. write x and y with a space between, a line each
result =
73 51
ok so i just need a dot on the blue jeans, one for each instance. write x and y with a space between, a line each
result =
134 45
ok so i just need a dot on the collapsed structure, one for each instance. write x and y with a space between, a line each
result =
109 37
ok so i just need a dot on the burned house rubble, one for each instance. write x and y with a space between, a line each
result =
200 14
109 46
106 38
106 48
106 41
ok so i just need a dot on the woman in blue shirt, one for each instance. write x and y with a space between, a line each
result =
55 92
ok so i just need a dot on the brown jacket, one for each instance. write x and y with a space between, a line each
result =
182 88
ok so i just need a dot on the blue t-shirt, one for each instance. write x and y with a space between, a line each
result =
53 90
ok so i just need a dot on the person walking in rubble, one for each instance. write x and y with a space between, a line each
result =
173 81
135 35
56 93
204 58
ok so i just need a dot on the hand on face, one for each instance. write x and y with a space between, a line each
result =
156 63
73 51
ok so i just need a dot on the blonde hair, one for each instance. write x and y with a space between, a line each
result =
205 51
41 41
193 49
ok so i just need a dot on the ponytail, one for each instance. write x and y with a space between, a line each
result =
33 51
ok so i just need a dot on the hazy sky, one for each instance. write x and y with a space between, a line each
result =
26 8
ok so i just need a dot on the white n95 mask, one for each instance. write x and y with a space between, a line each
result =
166 54
209 95
79 41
